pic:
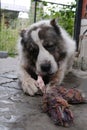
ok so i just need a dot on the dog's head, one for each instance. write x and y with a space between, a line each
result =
44 47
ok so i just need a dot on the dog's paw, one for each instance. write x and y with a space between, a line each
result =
29 86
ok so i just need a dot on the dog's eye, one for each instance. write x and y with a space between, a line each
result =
62 55
34 51
50 48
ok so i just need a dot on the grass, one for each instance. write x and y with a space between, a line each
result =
9 36
8 40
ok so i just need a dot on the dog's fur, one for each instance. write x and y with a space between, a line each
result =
45 49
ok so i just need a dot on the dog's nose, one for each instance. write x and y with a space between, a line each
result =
45 67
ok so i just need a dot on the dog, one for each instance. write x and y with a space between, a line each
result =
47 50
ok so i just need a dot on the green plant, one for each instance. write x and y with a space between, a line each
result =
8 39
9 35
65 14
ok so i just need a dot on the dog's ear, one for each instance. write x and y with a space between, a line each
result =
24 39
53 22
22 33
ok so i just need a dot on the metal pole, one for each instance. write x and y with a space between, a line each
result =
35 12
0 15
78 21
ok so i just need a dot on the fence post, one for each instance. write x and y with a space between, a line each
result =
35 11
82 37
78 21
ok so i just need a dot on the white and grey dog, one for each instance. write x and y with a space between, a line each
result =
45 49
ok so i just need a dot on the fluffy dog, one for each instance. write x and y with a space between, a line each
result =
45 49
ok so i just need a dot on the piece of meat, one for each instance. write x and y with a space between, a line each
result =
55 102
40 84
72 95
58 109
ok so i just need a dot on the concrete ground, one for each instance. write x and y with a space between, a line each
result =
22 112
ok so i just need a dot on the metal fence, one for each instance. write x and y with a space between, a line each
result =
9 32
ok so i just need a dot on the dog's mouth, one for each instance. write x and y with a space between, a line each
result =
42 74
46 77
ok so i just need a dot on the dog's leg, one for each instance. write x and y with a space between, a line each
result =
59 76
29 85
65 67
70 62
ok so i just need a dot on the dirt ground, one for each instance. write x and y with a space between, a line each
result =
22 112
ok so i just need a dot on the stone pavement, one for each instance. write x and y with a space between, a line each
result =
22 112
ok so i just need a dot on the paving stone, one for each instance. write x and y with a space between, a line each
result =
5 80
19 111
9 76
8 64
3 54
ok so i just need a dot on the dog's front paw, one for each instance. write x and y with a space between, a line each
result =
29 86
